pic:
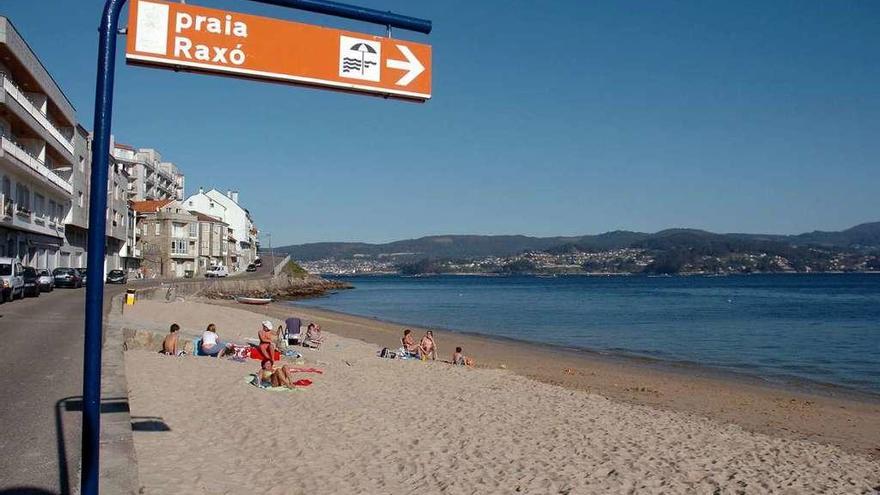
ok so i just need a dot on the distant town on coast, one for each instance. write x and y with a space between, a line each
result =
673 251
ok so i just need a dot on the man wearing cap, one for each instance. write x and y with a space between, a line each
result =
267 341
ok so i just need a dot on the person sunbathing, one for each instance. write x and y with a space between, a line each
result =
211 343
428 347
314 338
267 341
409 344
270 376
169 345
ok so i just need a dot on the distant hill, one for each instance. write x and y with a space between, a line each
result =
864 235
446 246
861 237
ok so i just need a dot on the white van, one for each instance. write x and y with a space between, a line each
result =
217 271
11 280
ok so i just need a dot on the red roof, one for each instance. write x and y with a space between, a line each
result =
125 146
206 218
150 206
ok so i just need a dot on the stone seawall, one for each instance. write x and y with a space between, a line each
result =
280 287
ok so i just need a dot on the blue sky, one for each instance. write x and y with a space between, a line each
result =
548 118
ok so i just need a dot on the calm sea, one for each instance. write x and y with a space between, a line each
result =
806 328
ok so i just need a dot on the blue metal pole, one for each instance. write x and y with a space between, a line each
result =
91 421
357 13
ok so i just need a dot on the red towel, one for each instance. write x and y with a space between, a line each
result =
305 382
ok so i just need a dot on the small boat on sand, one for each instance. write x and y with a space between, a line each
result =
253 300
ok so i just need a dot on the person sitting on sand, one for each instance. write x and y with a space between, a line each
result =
409 345
428 347
269 376
169 345
460 359
211 343
314 338
267 341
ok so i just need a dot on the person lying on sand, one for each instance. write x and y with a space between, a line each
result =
211 343
270 376
460 359
267 341
169 345
428 347
409 344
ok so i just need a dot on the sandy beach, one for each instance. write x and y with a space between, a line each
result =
547 423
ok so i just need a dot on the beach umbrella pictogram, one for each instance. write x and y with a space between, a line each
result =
363 48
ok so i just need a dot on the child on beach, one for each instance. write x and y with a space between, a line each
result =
460 359
169 345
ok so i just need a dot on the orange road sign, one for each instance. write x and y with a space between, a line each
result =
187 37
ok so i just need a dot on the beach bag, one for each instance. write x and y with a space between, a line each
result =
387 353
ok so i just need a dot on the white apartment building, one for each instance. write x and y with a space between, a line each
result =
37 155
241 226
149 178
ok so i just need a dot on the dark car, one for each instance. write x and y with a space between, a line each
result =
67 277
116 277
258 262
251 268
31 281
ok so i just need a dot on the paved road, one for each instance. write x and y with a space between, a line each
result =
41 369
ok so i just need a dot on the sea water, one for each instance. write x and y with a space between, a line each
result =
820 329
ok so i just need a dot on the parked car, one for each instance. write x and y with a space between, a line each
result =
258 262
11 281
116 277
31 285
252 267
67 277
45 281
217 271
82 274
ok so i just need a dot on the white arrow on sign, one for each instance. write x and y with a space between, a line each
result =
411 65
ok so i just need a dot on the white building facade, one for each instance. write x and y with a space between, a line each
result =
37 128
242 231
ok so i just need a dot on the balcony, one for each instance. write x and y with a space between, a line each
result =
17 95
36 165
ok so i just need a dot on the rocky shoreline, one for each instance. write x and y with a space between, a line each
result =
281 287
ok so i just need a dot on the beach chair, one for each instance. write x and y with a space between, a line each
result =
293 332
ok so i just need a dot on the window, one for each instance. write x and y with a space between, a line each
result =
179 230
39 205
179 246
23 196
194 230
80 199
60 212
115 190
158 228
82 164
53 217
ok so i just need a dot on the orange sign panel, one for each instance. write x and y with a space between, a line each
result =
187 37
